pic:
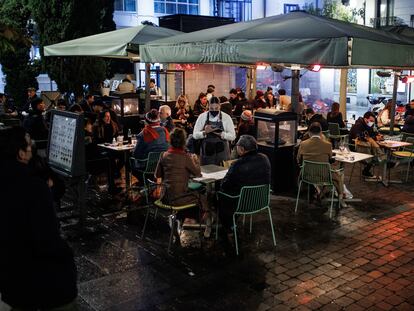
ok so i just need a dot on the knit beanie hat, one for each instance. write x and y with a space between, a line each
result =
259 93
246 115
152 116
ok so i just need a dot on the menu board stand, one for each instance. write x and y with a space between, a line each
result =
66 154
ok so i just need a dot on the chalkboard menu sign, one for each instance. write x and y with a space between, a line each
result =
66 146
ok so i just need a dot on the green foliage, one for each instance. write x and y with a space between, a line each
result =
15 48
62 20
336 10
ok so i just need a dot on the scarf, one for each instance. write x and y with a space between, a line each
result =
151 134
176 150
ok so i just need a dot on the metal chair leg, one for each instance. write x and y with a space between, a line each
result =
297 198
332 200
217 223
145 223
173 225
251 221
235 235
352 172
271 225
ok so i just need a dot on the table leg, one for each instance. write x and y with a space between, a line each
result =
127 171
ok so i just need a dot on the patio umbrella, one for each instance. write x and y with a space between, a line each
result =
121 43
294 38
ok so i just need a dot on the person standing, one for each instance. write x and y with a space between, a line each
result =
126 86
285 101
31 96
36 265
216 130
87 102
35 123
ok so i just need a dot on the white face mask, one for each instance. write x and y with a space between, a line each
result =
370 124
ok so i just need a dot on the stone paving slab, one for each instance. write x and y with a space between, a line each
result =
362 259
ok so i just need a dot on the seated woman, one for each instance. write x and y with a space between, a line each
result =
175 167
183 112
384 117
106 129
201 105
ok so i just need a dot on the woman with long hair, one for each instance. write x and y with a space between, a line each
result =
384 117
335 116
201 104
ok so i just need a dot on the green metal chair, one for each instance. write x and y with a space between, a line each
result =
251 200
406 155
326 133
335 133
172 210
148 172
316 174
405 135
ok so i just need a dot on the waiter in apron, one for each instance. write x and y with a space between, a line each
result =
216 130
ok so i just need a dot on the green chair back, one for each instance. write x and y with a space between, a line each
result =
152 161
326 133
316 173
334 129
409 148
406 135
253 199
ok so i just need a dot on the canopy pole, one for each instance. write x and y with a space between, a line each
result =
248 83
295 89
254 81
394 101
343 85
147 87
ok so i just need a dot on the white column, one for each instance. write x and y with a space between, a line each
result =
145 11
204 7
2 77
257 8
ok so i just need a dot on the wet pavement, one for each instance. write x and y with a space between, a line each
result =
362 259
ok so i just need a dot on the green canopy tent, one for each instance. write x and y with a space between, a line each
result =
121 43
296 38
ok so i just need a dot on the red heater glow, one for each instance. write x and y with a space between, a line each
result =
315 68
407 79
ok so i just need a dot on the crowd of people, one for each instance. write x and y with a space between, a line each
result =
212 131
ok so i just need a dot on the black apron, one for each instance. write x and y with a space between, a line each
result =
214 150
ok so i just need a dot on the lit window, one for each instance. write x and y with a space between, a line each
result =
240 10
125 5
176 7
290 7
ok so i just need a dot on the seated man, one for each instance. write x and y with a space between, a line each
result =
165 116
251 169
366 140
319 150
153 138
312 117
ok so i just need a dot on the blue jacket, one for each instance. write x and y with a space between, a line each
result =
143 148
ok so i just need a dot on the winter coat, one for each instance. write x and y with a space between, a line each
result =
251 169
36 265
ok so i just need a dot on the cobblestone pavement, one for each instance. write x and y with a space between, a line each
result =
363 259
